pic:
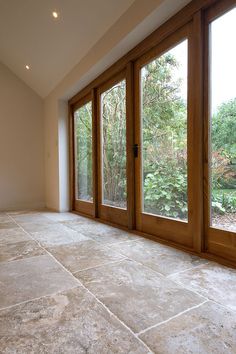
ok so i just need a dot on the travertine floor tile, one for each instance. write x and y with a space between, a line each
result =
82 255
4 218
161 258
38 227
79 222
58 235
103 233
20 250
8 225
30 218
12 236
24 212
139 296
208 329
212 280
60 217
33 277
69 322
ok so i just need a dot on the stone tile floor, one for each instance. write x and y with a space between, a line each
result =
73 285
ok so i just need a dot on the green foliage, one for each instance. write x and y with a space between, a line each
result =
164 144
83 126
224 146
165 190
224 201
114 144
224 129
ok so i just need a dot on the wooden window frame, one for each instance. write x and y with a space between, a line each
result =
196 13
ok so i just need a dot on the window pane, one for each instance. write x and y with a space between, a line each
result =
83 152
113 103
223 122
164 134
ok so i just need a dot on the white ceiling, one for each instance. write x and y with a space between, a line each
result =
30 36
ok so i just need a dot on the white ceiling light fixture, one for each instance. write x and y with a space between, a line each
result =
55 14
27 67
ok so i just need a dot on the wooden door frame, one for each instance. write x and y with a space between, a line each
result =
171 229
219 242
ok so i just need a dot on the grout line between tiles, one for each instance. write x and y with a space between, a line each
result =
146 266
94 296
189 288
100 265
186 270
171 318
228 308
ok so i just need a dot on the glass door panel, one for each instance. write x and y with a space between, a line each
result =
83 148
83 152
164 134
220 130
113 129
223 122
112 150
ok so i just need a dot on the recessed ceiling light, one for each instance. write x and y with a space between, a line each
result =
55 14
27 67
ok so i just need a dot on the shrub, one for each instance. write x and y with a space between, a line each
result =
165 190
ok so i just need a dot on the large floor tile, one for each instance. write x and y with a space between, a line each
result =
20 250
79 222
82 255
24 212
208 329
58 235
5 218
68 322
137 295
104 233
212 280
8 225
30 278
30 218
12 236
38 227
161 258
60 217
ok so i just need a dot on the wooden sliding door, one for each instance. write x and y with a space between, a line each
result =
220 130
164 136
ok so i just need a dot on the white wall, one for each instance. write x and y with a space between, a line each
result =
21 144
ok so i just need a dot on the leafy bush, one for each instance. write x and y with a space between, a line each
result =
165 190
224 201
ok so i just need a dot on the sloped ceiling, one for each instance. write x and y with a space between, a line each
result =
30 36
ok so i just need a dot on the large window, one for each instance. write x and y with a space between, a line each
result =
164 134
223 121
113 122
154 137
83 152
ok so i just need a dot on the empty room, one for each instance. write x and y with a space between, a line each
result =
118 176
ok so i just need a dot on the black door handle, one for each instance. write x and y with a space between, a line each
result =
135 149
